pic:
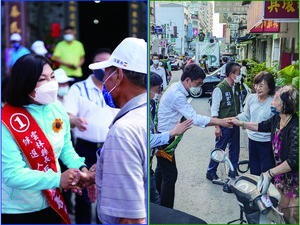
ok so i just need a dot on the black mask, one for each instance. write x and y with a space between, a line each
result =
99 74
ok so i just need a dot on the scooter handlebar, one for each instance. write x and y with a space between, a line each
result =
263 184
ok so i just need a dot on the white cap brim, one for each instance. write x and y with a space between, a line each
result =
100 65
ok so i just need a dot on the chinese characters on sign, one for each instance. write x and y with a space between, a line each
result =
281 9
267 26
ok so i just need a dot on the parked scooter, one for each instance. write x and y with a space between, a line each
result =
256 196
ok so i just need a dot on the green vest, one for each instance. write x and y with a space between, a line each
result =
230 103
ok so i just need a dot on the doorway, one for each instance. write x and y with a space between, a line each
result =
101 25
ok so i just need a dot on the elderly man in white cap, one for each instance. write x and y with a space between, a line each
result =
18 50
63 84
121 169
38 47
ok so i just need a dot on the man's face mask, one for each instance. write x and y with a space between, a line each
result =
107 94
99 74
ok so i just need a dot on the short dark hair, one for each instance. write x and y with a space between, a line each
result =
263 75
204 56
231 68
136 78
24 77
244 63
289 96
193 71
69 28
155 80
225 59
155 55
100 51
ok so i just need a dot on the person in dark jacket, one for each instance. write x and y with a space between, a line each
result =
284 128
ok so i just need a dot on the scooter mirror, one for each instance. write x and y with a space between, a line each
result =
218 155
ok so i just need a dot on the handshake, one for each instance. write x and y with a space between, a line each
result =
75 180
229 122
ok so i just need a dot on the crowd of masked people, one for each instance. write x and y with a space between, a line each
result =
270 117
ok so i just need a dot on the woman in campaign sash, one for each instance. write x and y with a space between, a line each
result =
35 134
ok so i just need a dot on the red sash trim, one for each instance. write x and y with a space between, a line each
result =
37 150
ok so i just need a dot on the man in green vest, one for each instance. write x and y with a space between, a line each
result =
226 103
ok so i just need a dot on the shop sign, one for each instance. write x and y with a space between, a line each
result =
267 26
281 9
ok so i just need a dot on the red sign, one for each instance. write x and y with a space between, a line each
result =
55 30
281 9
267 26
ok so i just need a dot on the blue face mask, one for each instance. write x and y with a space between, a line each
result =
274 110
107 94
99 74
108 97
16 44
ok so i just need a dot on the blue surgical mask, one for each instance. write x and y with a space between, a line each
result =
274 110
16 45
99 74
108 97
107 94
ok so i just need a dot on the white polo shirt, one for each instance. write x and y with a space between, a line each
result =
161 72
85 100
173 105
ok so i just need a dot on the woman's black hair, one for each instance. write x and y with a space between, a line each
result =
193 71
24 77
263 75
289 96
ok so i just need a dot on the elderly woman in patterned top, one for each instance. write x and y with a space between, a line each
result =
284 128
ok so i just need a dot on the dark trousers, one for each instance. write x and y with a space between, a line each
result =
83 205
154 195
261 157
45 216
232 138
166 176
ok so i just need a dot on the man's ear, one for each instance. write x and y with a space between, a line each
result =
120 75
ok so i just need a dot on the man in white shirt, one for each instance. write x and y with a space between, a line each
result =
173 106
158 70
223 69
122 163
90 116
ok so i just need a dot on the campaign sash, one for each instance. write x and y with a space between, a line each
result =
169 151
37 150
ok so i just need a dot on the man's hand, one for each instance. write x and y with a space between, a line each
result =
80 123
92 192
180 128
218 132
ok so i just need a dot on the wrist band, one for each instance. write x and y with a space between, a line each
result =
80 168
270 173
243 126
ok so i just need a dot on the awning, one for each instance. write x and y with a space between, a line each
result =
243 39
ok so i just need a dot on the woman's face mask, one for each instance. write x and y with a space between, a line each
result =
46 93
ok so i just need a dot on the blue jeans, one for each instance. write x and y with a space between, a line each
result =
261 157
230 136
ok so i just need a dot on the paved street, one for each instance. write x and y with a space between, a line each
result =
194 193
